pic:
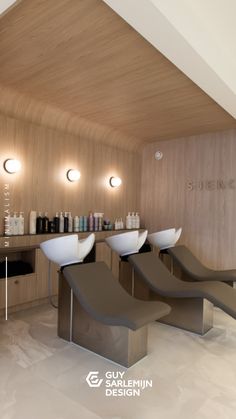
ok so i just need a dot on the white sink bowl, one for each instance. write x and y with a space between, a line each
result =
142 238
178 233
127 243
165 238
85 246
66 250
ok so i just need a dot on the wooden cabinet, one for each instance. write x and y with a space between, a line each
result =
21 289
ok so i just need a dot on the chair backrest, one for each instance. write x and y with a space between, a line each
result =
188 262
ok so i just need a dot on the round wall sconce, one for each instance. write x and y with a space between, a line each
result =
73 175
115 181
158 155
12 166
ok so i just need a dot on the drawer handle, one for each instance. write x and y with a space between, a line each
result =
16 281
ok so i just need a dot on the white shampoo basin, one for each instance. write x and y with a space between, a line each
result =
142 238
127 243
165 238
85 246
66 250
178 234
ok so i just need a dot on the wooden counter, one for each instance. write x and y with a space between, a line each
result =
30 241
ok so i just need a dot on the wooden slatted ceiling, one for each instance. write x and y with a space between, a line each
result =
79 56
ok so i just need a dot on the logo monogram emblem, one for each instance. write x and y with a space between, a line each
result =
93 380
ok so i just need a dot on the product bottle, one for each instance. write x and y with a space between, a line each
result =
133 223
7 231
90 221
21 224
66 223
70 223
137 220
11 225
51 227
85 223
45 223
39 224
100 223
57 223
15 224
81 223
95 223
76 224
32 222
128 221
121 224
61 224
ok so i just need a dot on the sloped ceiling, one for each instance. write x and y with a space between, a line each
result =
80 59
199 37
5 5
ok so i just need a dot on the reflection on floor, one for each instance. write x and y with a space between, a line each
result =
43 377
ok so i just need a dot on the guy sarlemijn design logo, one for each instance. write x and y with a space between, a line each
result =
116 385
93 380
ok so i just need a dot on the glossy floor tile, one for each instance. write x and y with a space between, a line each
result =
42 376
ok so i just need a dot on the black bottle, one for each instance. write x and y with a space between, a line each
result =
39 224
66 223
56 223
51 227
45 223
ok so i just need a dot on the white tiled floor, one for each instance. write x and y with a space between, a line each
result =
43 377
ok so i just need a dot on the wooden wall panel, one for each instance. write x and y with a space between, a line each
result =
47 154
16 105
207 216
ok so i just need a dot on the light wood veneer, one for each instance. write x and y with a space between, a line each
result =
79 66
46 155
207 216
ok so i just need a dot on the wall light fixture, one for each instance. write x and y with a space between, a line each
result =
73 175
12 165
115 181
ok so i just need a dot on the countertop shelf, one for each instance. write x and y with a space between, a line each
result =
32 241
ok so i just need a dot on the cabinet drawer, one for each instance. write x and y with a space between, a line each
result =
21 289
